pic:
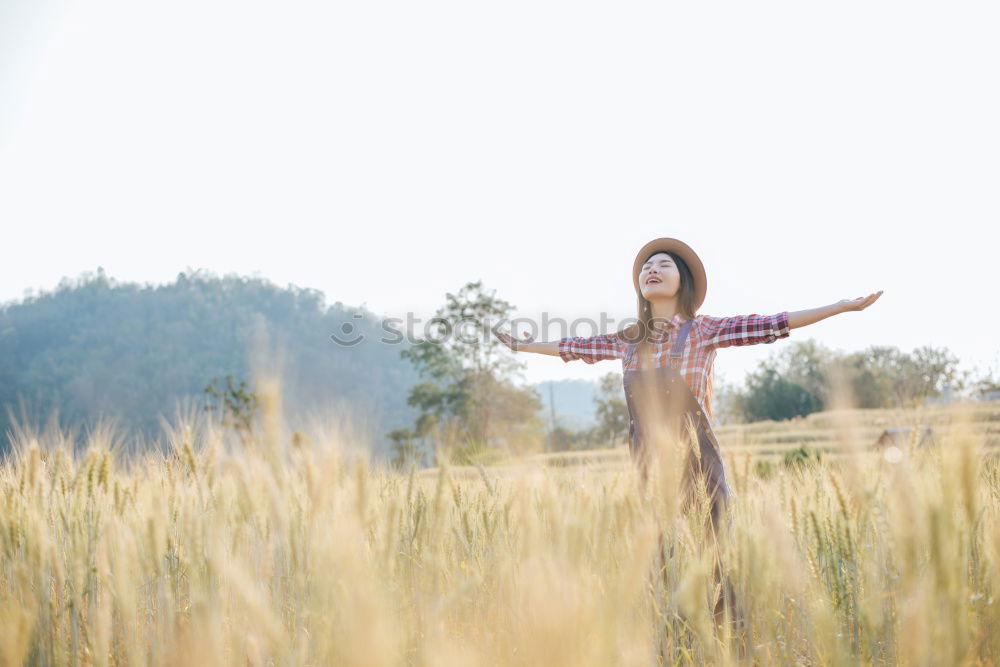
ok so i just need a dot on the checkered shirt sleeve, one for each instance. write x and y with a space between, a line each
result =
592 349
742 330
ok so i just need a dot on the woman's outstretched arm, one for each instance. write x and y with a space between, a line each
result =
528 345
590 349
801 318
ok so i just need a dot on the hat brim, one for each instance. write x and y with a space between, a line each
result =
683 251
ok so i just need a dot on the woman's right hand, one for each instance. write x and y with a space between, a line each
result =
511 342
528 344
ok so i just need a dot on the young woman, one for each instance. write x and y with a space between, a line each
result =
668 356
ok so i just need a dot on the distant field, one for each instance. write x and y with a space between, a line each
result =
827 432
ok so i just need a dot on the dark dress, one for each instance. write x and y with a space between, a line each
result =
660 402
661 397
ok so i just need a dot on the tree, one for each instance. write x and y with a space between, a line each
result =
612 410
235 405
793 382
934 370
405 450
769 395
514 415
468 394
728 402
987 382
799 379
884 376
807 364
562 439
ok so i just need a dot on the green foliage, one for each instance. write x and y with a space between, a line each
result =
770 395
563 439
612 410
612 424
764 468
795 459
883 376
468 395
235 405
988 382
806 365
801 457
803 378
405 450
94 347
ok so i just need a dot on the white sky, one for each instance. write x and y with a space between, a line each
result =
389 152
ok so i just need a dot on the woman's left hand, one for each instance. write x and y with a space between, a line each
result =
860 303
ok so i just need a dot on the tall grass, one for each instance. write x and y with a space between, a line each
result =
295 551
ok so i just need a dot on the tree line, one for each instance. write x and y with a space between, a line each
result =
807 377
96 347
470 408
803 378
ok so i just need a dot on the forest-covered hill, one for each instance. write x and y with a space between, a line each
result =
94 346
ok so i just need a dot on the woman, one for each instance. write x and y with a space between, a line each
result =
668 356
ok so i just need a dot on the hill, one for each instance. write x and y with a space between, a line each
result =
94 347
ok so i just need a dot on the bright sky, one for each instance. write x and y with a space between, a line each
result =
388 152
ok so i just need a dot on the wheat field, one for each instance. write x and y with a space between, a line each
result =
291 549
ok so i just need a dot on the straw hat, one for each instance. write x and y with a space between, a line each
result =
683 251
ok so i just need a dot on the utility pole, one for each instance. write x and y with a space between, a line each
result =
552 415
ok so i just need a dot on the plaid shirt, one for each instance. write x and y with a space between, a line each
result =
707 334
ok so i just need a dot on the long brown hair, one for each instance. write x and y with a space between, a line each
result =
643 328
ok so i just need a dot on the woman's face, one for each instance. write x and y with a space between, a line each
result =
659 277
